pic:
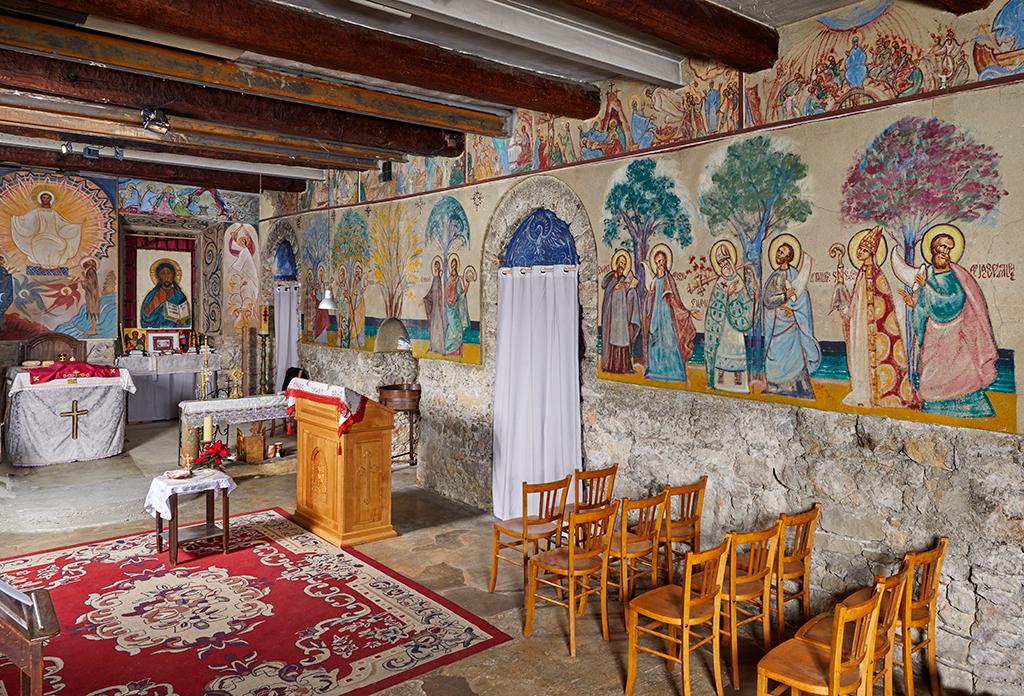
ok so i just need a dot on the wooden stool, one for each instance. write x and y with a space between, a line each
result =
200 531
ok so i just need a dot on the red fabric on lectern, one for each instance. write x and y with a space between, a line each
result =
70 369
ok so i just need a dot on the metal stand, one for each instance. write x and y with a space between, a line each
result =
264 366
414 437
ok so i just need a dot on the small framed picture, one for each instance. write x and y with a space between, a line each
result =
163 341
134 340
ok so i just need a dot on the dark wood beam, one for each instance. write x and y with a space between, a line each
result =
696 26
229 181
281 31
184 66
94 83
964 6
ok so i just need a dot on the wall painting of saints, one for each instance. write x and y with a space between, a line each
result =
163 289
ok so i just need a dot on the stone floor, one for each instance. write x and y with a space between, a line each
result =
442 544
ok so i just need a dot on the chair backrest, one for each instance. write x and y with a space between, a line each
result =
703 577
550 499
854 627
893 591
684 504
647 523
48 346
751 556
594 488
801 527
290 374
925 574
590 532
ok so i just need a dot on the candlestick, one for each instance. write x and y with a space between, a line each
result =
264 329
207 428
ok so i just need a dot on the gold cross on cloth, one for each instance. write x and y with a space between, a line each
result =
74 413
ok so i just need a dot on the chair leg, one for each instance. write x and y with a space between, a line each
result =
766 617
531 599
494 560
684 656
604 601
762 684
716 650
933 667
572 616
584 595
780 608
733 646
623 578
631 632
654 566
671 648
908 662
887 677
668 562
805 588
526 559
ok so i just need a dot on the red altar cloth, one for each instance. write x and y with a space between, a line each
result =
70 369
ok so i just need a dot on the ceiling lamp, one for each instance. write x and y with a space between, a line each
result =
328 302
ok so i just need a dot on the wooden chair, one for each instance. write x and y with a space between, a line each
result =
586 554
918 612
748 588
636 542
593 489
531 529
48 346
819 629
688 501
682 608
794 564
842 668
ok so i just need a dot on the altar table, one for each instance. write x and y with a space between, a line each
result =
225 412
163 381
64 420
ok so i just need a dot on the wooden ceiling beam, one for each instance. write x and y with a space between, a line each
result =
103 85
210 140
171 174
275 29
696 26
158 61
960 7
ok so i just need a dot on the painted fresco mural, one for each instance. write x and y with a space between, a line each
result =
881 50
58 256
241 278
318 326
137 197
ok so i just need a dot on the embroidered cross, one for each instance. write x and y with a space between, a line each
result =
74 413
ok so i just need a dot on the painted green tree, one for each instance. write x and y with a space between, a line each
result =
755 193
448 229
351 248
643 205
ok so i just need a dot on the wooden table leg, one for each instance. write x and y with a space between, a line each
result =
159 533
172 528
32 678
227 517
209 507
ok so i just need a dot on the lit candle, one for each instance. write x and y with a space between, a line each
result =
207 428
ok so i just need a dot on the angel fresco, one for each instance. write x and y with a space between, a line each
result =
730 316
955 348
792 352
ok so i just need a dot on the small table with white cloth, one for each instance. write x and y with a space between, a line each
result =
163 381
64 420
162 503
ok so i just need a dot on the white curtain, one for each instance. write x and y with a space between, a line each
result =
286 331
537 390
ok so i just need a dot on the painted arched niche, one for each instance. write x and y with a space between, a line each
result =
541 239
284 261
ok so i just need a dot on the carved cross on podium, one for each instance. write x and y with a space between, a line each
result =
74 413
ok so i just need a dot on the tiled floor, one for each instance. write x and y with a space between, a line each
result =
442 544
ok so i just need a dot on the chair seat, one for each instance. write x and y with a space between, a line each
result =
920 615
635 546
681 531
818 630
792 568
666 603
514 527
557 559
745 589
805 666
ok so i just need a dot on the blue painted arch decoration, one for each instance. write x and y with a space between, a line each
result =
284 261
541 239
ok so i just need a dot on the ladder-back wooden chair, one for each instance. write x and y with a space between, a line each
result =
586 555
920 604
681 609
819 629
746 596
529 530
636 543
683 508
843 668
793 561
592 489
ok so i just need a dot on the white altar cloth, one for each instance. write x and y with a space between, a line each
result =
64 420
163 381
247 409
162 488
167 364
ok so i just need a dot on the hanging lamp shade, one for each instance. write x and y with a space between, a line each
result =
328 302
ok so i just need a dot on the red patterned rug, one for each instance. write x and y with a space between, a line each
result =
285 613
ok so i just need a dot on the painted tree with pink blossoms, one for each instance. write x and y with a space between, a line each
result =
917 173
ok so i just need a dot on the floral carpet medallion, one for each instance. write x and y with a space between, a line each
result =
284 614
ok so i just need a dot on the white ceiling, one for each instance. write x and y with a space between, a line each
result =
779 12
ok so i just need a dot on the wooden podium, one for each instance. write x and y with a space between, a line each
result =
343 494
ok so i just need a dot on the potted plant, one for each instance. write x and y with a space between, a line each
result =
212 456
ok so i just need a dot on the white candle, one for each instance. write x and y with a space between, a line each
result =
207 428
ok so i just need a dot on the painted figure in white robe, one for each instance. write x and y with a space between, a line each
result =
730 316
433 304
44 236
792 352
241 274
357 294
620 314
955 349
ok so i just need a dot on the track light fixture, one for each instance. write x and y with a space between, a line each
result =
155 120
118 153
91 152
67 149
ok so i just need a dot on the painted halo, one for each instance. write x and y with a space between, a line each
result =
159 262
658 248
785 238
458 262
951 231
38 191
626 255
437 259
728 246
880 253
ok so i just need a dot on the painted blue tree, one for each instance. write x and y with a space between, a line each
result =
755 192
448 229
640 207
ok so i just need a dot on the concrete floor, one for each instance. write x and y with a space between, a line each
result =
441 544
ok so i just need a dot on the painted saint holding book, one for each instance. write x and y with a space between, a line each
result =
166 305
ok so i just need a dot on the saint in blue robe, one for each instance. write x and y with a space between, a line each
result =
664 360
791 351
156 318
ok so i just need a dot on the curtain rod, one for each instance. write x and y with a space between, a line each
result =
549 269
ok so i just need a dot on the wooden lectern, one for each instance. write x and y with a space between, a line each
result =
27 622
343 494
